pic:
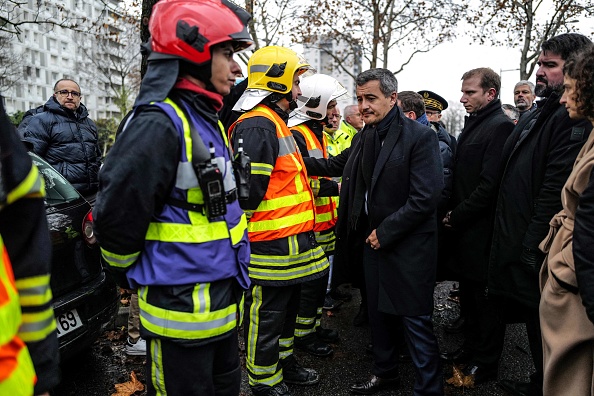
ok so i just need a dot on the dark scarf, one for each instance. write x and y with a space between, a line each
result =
371 144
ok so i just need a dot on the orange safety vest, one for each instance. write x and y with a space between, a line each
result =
17 375
287 208
325 207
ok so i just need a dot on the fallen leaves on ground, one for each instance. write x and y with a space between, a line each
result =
128 388
459 380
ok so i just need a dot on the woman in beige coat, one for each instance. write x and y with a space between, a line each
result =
567 333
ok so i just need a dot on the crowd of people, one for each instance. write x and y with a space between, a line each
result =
248 204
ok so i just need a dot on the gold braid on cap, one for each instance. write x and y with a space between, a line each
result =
430 102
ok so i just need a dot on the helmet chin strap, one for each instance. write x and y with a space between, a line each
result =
292 103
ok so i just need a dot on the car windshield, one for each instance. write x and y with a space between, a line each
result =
57 189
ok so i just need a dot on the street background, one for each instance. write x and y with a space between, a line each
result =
95 372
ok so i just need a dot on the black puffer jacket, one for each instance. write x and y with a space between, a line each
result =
68 141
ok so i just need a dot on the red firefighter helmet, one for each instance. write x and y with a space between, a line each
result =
187 29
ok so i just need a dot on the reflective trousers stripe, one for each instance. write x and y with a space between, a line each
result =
200 324
157 371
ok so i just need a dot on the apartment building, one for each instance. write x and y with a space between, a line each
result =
51 52
322 55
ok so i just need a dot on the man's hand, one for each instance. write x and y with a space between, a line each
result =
373 241
446 220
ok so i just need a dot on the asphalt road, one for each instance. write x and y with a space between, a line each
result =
96 372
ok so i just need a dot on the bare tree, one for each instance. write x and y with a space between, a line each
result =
526 24
115 57
453 118
376 29
10 62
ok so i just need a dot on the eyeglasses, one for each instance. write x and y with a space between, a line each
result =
432 113
66 92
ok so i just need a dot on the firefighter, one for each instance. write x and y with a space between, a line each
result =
29 354
307 125
281 214
183 239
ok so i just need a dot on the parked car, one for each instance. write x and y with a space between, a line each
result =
85 296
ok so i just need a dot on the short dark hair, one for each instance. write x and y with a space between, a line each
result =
64 79
580 67
387 80
489 79
565 44
412 101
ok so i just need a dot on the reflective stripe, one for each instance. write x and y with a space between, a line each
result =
37 326
263 375
261 168
286 145
186 176
157 371
283 202
187 233
315 186
259 68
284 222
34 291
186 126
285 347
315 153
31 186
293 266
119 260
238 231
186 325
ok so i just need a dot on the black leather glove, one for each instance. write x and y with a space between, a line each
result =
532 258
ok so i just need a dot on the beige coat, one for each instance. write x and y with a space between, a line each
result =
567 334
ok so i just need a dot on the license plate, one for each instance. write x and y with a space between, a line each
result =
68 322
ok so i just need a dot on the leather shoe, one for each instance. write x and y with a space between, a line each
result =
327 335
362 317
312 345
517 388
373 385
280 389
459 356
341 294
479 374
295 374
454 327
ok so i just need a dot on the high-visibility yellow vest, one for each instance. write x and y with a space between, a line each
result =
325 207
17 375
287 208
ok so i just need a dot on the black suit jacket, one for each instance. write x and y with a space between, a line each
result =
406 186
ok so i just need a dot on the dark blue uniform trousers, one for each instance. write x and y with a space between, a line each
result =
386 335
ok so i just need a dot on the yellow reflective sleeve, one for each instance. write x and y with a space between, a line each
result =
119 260
34 291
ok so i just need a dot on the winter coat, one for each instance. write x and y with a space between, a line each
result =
476 172
67 140
567 333
534 171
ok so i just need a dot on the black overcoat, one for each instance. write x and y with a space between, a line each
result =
535 170
476 174
406 186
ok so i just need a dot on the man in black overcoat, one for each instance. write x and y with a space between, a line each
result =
476 173
391 184
538 158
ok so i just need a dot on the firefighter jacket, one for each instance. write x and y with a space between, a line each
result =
337 142
348 129
280 207
312 142
189 269
26 314
325 207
